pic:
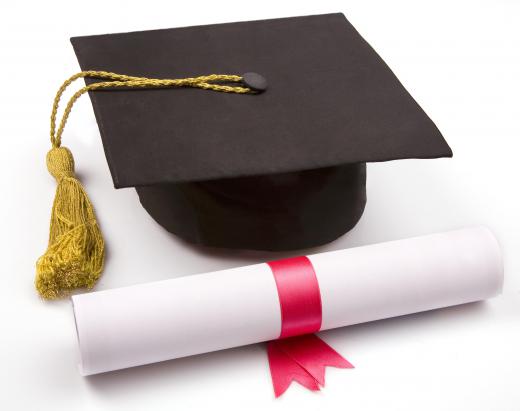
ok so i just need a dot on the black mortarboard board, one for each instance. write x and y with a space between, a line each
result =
283 169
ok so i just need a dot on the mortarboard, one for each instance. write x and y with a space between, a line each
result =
274 170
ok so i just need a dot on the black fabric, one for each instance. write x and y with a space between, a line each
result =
331 101
280 170
272 212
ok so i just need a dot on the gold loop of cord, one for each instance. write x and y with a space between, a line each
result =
115 80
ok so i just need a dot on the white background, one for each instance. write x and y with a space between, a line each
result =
459 59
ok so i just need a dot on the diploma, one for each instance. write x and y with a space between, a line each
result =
159 321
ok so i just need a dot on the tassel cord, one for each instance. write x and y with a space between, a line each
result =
122 81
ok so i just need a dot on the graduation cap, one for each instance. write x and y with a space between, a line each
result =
275 159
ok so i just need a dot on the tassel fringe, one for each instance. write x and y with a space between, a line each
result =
75 254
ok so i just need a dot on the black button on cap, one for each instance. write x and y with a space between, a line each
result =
254 81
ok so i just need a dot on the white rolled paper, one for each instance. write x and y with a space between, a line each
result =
175 318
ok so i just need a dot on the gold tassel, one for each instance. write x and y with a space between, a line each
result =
76 250
75 254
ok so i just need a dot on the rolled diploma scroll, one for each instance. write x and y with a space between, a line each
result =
196 314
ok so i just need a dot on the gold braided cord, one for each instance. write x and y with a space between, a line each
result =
209 82
76 251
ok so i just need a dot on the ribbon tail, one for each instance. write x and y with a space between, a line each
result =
302 359
284 370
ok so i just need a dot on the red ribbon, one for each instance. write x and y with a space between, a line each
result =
298 355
